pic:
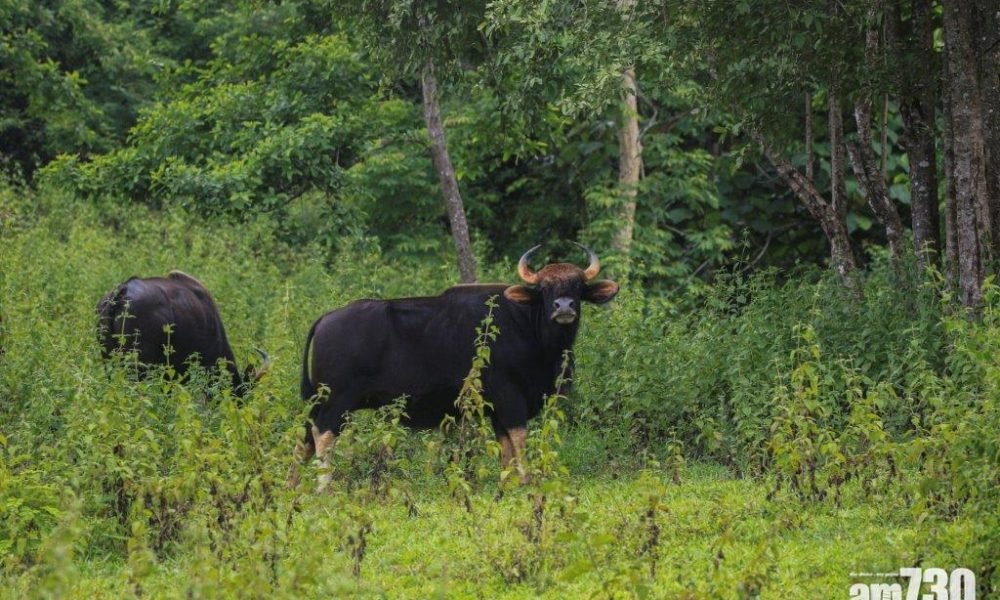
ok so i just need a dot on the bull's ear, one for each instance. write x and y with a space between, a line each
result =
601 291
520 294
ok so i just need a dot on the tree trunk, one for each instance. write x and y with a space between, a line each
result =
988 51
831 217
809 137
950 197
866 168
446 175
835 224
914 55
884 142
972 208
629 164
869 175
629 155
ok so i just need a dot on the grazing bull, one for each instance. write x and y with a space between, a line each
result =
373 351
138 313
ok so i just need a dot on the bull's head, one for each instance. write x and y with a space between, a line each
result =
252 374
560 287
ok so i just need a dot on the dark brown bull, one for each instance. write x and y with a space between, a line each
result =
373 351
138 314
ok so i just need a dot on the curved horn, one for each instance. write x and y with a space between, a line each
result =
595 265
529 277
265 365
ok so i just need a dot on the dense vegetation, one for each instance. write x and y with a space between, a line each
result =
744 421
753 444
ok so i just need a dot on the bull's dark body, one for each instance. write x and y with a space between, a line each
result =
373 351
140 309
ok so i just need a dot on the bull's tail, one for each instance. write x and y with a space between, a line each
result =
305 449
308 388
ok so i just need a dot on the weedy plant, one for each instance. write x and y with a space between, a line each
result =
371 451
652 476
545 475
470 450
542 480
30 506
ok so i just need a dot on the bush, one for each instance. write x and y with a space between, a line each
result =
882 406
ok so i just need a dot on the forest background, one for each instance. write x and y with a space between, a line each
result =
801 202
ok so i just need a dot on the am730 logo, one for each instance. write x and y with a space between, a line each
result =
960 584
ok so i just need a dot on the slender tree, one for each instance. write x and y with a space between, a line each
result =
950 195
426 41
831 214
988 53
446 175
911 48
629 151
871 178
835 221
809 137
972 210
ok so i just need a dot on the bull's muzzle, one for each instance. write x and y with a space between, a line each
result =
564 311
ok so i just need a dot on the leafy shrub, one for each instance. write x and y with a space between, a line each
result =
371 450
30 508
881 407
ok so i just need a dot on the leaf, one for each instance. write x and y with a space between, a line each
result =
575 570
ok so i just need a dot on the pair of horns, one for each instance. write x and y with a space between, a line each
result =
531 278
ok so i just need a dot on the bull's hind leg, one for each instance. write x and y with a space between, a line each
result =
324 445
328 418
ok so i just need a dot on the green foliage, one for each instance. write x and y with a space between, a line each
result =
841 435
307 112
718 406
568 54
679 229
470 432
30 506
372 452
256 141
888 398
721 400
402 37
73 76
765 60
812 448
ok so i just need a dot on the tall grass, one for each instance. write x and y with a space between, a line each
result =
698 431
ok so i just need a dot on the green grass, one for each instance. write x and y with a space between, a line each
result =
115 488
719 537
